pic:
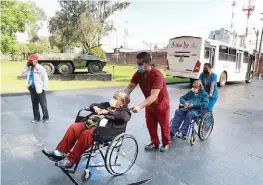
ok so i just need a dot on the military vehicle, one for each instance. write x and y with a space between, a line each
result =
66 63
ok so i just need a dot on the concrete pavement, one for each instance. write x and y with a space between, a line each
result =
233 155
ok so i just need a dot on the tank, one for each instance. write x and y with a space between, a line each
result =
66 63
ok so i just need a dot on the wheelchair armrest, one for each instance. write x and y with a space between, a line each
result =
84 109
109 117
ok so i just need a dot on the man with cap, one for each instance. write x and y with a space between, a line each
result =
37 83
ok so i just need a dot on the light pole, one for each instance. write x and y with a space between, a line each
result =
259 51
150 46
257 34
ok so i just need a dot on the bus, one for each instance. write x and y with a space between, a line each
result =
186 56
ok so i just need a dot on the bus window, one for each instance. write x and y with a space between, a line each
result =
206 53
232 55
223 53
246 57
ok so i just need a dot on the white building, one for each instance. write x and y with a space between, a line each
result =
228 37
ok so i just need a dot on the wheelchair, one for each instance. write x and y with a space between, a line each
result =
202 126
107 142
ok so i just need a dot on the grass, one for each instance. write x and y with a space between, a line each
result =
122 76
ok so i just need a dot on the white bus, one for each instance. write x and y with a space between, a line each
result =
186 56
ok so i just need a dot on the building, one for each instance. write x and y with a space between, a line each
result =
128 56
228 37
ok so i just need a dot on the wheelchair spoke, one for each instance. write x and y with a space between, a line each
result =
206 126
122 146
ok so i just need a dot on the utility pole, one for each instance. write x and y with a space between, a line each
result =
257 34
150 46
259 51
248 10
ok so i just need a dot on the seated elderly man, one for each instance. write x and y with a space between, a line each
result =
80 135
190 107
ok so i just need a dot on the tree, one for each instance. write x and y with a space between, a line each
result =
13 19
15 16
36 19
84 21
98 51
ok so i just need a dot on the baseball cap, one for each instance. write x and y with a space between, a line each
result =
32 57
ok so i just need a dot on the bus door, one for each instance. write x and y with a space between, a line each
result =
212 50
238 61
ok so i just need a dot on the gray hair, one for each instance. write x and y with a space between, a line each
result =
199 83
125 97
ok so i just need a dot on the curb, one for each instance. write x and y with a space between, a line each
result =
69 90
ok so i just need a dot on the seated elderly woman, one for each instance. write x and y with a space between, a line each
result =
190 107
80 135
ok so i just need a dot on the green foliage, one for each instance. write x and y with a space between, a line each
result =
13 19
55 50
35 22
98 51
15 16
83 22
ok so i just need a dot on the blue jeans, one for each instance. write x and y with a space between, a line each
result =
179 117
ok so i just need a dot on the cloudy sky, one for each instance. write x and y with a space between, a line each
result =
158 21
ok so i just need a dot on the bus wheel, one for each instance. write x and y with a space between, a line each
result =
223 79
249 78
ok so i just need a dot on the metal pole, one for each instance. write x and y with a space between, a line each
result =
259 52
257 34
149 45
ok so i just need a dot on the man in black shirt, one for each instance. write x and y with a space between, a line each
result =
81 134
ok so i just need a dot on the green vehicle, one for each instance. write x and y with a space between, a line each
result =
66 63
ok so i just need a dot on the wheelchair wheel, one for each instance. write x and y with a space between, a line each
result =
86 175
206 126
114 163
192 140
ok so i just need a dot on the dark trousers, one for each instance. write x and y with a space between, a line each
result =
179 117
36 100
155 116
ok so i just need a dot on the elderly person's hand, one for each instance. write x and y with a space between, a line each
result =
96 109
103 111
190 106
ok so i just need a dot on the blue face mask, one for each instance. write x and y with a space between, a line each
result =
140 69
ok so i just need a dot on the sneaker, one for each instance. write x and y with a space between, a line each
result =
164 148
45 120
35 120
52 156
184 137
181 136
151 147
65 163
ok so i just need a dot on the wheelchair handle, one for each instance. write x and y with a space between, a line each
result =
86 109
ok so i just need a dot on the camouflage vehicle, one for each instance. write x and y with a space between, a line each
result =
66 63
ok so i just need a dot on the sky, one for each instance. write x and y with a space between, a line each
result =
155 22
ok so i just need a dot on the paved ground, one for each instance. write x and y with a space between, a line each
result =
233 155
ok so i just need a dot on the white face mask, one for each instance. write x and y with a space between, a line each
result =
113 102
195 90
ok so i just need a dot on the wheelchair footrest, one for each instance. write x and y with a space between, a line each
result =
70 170
97 165
102 165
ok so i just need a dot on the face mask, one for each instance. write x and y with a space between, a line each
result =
113 102
205 71
195 90
140 69
30 63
